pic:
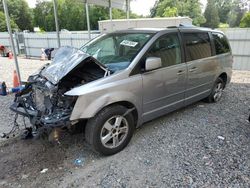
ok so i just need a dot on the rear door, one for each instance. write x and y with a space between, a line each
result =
201 66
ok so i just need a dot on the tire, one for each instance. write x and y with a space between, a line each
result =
109 131
217 91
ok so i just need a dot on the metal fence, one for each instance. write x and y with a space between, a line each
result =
30 44
239 39
33 42
5 40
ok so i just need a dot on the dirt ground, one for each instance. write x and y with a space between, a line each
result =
202 145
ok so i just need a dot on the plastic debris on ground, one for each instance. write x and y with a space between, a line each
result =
16 89
44 170
221 138
79 161
3 89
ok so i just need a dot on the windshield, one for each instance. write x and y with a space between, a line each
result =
116 50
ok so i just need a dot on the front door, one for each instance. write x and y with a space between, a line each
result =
164 88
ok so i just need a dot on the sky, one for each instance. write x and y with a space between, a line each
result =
141 7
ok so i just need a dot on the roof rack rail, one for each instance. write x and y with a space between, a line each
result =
172 27
182 25
186 25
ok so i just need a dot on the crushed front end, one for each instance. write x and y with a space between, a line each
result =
44 103
43 99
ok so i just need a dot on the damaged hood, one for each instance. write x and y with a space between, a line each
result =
65 60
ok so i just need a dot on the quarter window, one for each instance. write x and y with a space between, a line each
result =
168 49
221 44
197 46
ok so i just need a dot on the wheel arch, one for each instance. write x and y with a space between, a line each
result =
88 107
126 104
224 77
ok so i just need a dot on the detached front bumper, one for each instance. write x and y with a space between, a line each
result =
60 118
15 107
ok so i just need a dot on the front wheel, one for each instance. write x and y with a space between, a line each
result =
217 91
110 130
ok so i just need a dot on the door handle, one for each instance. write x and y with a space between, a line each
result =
193 69
180 72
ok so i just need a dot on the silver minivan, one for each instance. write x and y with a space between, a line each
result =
119 81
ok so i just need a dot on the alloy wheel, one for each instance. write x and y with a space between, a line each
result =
114 131
218 92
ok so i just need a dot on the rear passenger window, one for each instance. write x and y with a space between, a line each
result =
221 44
197 46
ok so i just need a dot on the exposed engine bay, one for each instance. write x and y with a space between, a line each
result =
43 100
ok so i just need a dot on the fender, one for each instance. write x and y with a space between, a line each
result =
84 109
92 98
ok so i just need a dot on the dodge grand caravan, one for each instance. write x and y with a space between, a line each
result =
120 80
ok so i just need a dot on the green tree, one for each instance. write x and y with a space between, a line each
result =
72 16
3 26
224 7
236 13
44 15
21 13
245 21
211 14
170 12
231 11
160 6
190 8
96 14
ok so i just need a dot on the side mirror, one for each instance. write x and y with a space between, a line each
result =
152 63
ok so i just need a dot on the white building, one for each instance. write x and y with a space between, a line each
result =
120 24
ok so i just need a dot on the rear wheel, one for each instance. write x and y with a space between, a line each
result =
217 91
110 130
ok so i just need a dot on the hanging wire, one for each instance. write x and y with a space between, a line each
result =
15 127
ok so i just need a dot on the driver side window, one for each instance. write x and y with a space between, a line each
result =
167 48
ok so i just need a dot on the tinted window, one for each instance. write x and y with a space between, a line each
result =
197 46
221 44
168 49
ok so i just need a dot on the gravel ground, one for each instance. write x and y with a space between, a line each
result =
202 145
27 67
